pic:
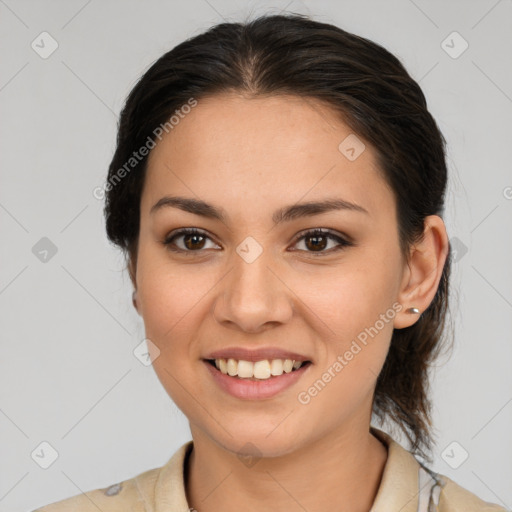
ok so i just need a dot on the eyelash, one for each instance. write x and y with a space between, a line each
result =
168 242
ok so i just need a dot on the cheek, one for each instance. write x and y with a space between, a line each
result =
173 307
347 300
353 316
356 323
170 307
172 296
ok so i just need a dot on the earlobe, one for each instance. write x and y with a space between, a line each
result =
423 272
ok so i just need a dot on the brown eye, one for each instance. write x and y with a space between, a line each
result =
192 240
317 240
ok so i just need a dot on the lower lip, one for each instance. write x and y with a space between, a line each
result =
255 389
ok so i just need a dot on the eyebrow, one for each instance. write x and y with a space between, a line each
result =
287 213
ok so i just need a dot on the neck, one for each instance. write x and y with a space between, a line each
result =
344 470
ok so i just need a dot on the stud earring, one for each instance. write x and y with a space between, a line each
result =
413 310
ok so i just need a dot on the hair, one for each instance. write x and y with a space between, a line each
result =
373 94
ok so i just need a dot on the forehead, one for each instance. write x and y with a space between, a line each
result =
263 148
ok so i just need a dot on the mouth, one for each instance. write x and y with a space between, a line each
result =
258 383
258 370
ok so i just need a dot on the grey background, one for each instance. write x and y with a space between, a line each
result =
68 375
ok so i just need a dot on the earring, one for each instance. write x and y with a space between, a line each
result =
134 295
413 310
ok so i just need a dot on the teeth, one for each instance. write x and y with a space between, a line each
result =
288 365
245 369
232 367
260 369
276 367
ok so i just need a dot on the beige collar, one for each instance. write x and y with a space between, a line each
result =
398 490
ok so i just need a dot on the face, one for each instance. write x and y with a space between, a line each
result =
248 281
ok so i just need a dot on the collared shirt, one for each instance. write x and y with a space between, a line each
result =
406 486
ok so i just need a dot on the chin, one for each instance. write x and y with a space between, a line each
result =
258 443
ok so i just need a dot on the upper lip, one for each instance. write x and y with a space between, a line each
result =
256 354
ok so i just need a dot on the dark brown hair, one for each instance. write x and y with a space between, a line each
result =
373 94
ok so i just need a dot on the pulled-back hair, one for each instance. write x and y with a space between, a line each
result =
372 93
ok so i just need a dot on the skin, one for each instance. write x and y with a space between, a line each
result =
250 157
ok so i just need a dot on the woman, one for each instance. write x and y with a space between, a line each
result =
278 190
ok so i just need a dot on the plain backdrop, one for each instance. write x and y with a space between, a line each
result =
68 374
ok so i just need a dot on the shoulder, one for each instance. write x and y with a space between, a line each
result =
454 498
410 486
150 490
133 494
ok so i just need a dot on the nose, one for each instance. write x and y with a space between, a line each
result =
253 297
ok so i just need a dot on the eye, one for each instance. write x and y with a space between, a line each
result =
318 240
315 241
193 240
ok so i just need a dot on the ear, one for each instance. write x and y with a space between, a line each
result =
423 271
132 273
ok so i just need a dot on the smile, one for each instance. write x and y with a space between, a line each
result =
255 380
263 369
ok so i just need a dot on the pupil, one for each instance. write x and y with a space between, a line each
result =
189 237
316 244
